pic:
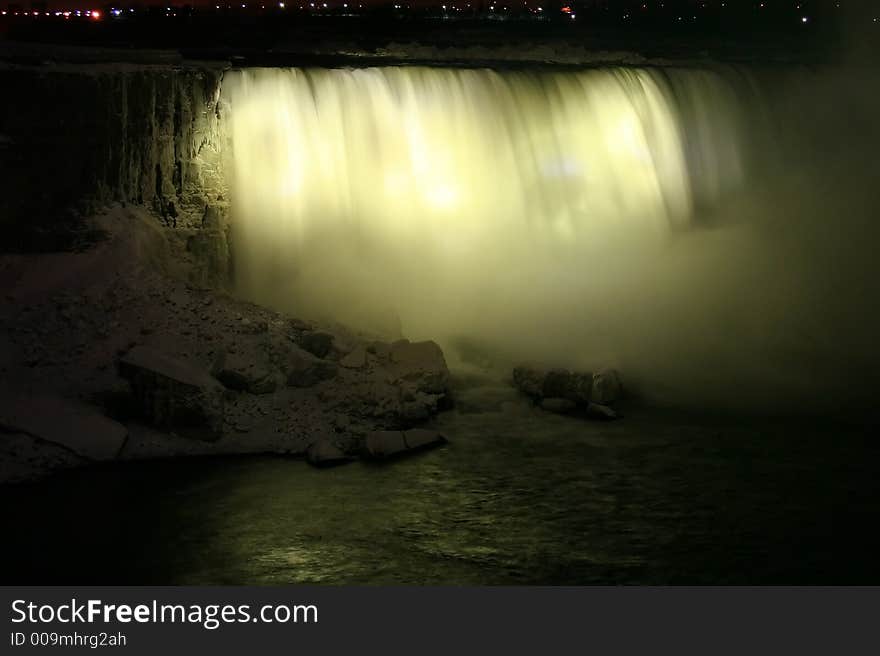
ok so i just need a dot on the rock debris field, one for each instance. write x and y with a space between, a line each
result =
116 352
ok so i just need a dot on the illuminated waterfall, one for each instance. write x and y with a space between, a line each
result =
449 197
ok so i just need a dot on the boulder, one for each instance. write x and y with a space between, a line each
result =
553 383
299 325
601 412
381 350
563 391
558 405
325 453
607 386
243 373
419 438
174 395
390 406
302 369
356 359
580 387
409 383
557 383
317 343
529 380
248 326
419 364
25 458
416 408
384 444
344 341
77 427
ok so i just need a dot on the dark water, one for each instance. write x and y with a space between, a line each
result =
518 496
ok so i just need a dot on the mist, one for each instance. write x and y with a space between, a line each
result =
708 232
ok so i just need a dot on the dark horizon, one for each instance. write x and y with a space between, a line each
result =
633 10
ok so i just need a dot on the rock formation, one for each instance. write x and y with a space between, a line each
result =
126 348
565 392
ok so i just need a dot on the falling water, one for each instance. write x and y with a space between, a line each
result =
561 216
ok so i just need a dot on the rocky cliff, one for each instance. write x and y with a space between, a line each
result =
75 138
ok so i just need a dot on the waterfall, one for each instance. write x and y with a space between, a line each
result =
444 169
646 218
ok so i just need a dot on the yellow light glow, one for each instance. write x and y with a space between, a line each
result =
356 172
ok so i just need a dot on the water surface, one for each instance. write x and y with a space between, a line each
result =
517 497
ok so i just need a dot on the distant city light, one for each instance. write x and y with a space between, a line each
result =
796 11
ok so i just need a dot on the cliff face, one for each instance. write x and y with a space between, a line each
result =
72 140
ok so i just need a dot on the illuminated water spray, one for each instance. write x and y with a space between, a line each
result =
450 197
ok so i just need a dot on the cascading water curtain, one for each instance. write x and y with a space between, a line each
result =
443 195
